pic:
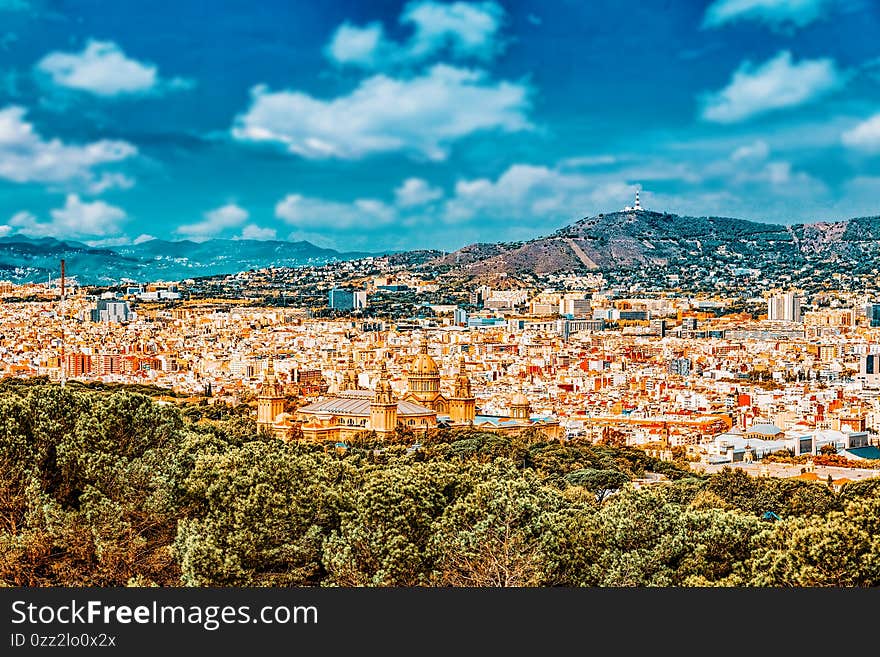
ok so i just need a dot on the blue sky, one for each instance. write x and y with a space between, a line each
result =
426 124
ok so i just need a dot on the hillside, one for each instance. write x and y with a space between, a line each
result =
634 239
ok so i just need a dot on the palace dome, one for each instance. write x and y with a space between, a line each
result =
424 365
519 399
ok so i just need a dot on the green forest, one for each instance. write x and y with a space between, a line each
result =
111 488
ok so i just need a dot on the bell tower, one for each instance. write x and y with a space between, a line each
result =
383 408
462 404
350 378
270 401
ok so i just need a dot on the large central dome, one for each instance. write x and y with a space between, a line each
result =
424 365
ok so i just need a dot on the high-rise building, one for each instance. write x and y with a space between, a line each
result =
342 299
872 312
680 366
111 311
784 307
574 306
870 365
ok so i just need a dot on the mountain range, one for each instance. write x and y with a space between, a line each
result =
613 241
25 259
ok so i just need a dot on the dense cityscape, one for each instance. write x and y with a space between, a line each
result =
434 294
742 377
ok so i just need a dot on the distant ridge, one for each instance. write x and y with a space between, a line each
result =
26 259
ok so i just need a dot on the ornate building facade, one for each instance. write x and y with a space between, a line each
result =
353 411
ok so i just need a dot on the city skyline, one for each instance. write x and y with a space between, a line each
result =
395 125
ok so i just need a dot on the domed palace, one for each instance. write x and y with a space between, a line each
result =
353 411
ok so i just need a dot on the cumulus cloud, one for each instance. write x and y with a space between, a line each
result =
252 232
215 222
143 237
422 115
775 13
459 30
26 157
865 136
521 202
532 194
415 191
776 84
103 69
307 213
76 219
81 218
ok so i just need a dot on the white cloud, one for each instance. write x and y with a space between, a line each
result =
143 237
5 229
523 201
215 221
782 178
110 181
307 213
776 13
81 218
776 84
415 191
357 45
102 68
26 157
469 29
531 195
75 220
421 115
756 151
22 218
459 29
865 136
252 232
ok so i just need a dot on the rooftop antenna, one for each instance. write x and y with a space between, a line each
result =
63 362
